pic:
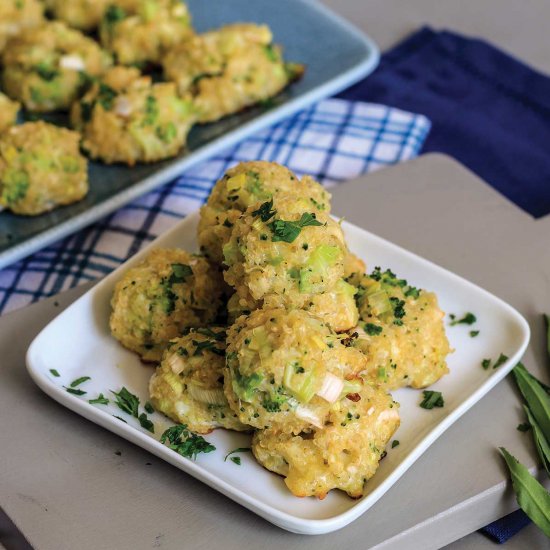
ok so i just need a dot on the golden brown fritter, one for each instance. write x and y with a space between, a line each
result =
40 168
401 332
287 368
344 454
46 68
126 118
248 184
229 69
154 302
142 31
188 384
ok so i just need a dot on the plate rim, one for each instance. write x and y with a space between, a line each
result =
282 519
331 87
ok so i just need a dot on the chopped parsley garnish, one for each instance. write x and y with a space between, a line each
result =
238 450
113 15
474 333
167 132
207 345
55 373
46 71
271 53
75 391
432 399
394 443
524 427
287 231
236 460
218 336
180 272
371 329
486 363
151 110
119 418
186 443
79 381
500 361
468 319
265 211
127 402
148 407
99 400
146 423
106 96
86 109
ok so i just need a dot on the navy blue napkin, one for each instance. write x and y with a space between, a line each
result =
488 110
504 528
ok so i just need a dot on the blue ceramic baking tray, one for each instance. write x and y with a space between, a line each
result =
335 53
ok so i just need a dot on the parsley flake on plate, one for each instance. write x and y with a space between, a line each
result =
468 319
238 450
500 361
186 443
75 391
146 423
432 399
99 400
79 381
127 402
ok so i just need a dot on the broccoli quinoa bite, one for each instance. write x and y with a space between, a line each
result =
40 168
229 69
83 15
344 454
354 268
336 307
127 118
46 68
284 252
142 31
154 302
401 331
244 185
287 369
18 15
188 384
8 112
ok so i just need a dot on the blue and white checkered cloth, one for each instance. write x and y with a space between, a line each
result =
333 141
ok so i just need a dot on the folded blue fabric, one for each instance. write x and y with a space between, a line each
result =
488 110
504 528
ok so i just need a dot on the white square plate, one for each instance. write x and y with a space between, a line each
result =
78 343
